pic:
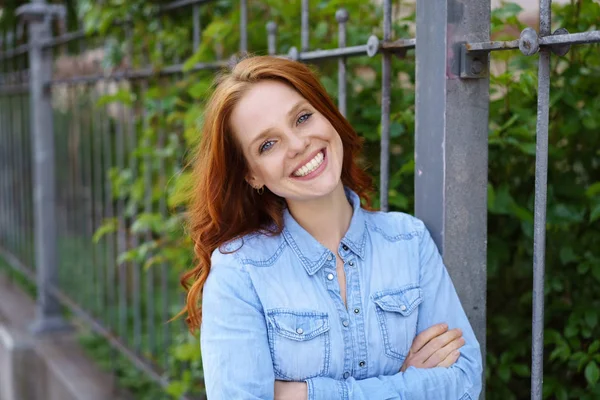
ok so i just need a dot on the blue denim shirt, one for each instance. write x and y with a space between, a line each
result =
272 310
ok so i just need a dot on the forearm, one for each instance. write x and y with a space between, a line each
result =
427 384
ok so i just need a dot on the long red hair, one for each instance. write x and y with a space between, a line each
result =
223 205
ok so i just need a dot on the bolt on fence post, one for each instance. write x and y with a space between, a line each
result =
48 312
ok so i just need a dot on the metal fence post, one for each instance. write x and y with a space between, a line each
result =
451 150
48 312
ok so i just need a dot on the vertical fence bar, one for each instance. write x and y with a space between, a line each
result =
11 153
97 202
451 149
243 26
304 26
25 156
164 271
48 313
76 166
133 166
197 26
272 37
10 161
150 297
3 157
109 215
386 83
18 171
539 229
342 18
121 232
4 153
87 259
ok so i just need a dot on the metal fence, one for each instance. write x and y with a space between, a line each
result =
55 152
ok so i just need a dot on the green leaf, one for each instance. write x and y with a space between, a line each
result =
200 90
592 373
504 372
567 255
593 190
109 226
591 318
595 214
521 370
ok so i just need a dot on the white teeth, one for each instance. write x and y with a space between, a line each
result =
310 166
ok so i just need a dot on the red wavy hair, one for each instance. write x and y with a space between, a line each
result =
223 205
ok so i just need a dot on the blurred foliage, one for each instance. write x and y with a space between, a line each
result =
169 114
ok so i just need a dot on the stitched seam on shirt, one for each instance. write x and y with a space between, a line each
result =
343 390
268 262
401 236
311 389
466 396
293 245
386 340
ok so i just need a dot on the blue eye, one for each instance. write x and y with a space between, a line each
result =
303 118
265 146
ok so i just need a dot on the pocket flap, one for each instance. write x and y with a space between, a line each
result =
404 300
298 325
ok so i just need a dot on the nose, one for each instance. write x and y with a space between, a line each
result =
297 144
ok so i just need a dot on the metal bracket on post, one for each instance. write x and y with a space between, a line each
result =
473 65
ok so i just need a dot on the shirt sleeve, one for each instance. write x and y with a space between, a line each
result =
235 349
462 381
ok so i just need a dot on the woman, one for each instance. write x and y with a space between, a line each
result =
305 294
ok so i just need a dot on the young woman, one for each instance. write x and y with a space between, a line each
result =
306 294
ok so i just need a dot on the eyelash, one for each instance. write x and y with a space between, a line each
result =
263 147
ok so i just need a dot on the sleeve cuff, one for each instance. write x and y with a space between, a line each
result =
321 388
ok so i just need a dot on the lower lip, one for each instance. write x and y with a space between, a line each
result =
316 172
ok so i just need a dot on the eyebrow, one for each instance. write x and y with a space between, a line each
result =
265 133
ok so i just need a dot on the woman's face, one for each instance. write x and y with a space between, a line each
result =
290 147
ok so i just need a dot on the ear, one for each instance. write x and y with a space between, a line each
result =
254 181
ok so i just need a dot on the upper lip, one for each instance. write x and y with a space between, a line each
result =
303 163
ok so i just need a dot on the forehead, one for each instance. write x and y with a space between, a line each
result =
263 106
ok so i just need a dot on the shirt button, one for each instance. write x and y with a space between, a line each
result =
351 263
345 247
362 364
345 323
346 375
330 257
299 331
356 310
330 277
403 307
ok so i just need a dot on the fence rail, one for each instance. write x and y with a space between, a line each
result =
55 152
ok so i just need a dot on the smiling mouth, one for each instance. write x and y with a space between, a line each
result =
310 166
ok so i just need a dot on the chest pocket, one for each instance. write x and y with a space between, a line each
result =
397 312
299 342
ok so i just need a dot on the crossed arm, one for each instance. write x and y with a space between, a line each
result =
233 329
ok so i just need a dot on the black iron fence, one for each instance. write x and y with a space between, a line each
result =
57 145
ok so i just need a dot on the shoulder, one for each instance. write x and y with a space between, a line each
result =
255 249
394 226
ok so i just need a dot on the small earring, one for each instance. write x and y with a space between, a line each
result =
260 190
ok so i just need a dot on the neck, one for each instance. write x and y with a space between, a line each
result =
327 219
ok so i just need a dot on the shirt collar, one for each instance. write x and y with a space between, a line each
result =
313 254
